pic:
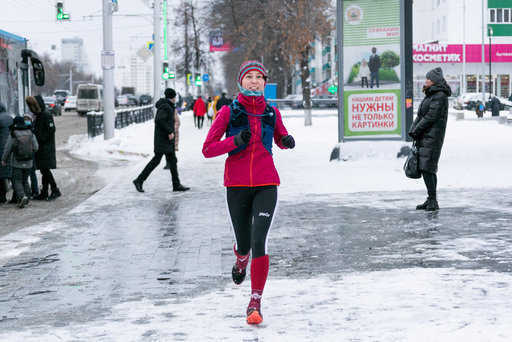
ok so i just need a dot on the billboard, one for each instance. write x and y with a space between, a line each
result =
217 42
453 53
372 93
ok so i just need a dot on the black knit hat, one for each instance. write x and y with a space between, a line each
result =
170 93
435 75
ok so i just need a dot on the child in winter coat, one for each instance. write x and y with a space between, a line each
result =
20 147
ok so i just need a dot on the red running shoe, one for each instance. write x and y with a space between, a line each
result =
254 315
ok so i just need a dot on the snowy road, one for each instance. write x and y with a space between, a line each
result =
347 266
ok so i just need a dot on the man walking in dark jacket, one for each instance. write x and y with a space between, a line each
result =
428 130
374 65
163 142
223 101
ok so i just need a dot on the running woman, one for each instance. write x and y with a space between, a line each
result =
250 177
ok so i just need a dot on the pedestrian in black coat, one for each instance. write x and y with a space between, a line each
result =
495 106
428 130
46 156
5 171
164 140
223 101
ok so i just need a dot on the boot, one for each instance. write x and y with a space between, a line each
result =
432 205
43 196
238 271
23 202
180 187
424 205
55 194
138 185
167 167
14 199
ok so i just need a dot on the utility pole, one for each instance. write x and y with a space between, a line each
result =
71 80
157 58
187 51
463 46
108 64
490 61
482 72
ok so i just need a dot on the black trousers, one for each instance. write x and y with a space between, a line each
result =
252 211
431 183
153 163
3 189
200 121
363 81
47 180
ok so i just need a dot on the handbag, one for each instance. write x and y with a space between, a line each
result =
412 163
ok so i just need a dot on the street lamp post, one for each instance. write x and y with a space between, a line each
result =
490 62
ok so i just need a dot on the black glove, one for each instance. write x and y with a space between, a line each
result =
413 135
288 141
242 138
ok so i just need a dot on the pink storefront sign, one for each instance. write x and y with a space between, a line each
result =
453 53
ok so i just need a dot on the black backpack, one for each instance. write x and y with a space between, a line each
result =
23 148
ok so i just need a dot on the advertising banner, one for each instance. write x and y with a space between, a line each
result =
453 53
217 42
371 69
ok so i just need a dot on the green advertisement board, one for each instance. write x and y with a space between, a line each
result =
372 94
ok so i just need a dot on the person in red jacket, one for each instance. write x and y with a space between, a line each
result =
250 177
199 111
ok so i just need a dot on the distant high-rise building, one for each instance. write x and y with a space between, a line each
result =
72 50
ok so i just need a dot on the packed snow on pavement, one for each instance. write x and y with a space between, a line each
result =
413 304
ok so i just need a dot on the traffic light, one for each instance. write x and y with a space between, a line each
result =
60 11
166 74
198 80
189 79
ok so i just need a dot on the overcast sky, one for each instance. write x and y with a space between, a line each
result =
35 20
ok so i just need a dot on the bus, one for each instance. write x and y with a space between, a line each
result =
16 80
11 47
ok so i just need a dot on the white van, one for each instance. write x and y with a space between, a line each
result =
89 97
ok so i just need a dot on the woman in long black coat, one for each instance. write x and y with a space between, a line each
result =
46 157
428 130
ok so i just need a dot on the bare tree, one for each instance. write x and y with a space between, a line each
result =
279 33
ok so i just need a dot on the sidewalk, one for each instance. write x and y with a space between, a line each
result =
361 266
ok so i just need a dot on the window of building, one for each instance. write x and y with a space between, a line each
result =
492 17
499 15
438 26
433 30
438 3
506 15
433 4
444 24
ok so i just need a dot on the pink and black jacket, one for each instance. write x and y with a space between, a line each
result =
248 165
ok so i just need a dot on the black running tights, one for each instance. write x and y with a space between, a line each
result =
252 211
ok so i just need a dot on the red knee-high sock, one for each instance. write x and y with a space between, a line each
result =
259 272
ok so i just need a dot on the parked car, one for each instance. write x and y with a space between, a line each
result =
145 100
52 105
324 101
132 100
70 103
89 98
122 100
469 100
61 95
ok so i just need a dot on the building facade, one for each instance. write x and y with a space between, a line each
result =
72 50
452 34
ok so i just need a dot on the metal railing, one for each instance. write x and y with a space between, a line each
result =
124 117
316 103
